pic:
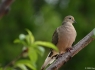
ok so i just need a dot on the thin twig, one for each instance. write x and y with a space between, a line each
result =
76 48
18 57
4 7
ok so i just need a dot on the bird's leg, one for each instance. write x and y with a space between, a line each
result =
69 49
59 55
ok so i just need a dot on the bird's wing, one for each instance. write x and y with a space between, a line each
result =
55 37
54 41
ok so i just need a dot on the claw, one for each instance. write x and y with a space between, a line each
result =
69 49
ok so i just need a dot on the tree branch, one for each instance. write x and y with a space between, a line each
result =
4 7
76 48
22 54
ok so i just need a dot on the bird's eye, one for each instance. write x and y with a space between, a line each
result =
69 18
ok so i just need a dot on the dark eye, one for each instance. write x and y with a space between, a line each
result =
69 18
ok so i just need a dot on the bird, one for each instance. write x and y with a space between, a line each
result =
63 38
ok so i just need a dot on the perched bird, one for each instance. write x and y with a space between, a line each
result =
63 38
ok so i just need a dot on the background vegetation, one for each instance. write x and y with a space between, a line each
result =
42 17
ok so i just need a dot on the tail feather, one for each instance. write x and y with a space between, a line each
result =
49 60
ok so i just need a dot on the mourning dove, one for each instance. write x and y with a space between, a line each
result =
63 38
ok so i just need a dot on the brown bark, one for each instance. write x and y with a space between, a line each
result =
4 7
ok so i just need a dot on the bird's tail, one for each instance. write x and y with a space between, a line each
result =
49 60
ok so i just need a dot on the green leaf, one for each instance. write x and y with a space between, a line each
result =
32 55
40 50
22 66
30 37
46 44
29 65
1 68
28 40
25 62
17 41
20 41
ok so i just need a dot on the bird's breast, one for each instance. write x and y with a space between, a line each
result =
67 32
66 36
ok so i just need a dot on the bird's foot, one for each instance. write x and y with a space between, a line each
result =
69 49
60 55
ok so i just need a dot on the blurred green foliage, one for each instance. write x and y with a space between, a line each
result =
31 49
42 17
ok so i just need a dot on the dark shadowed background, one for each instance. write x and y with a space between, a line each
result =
42 17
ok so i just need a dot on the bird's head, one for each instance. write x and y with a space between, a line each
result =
69 19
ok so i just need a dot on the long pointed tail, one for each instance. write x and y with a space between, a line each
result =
50 58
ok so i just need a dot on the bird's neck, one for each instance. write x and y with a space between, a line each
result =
66 23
